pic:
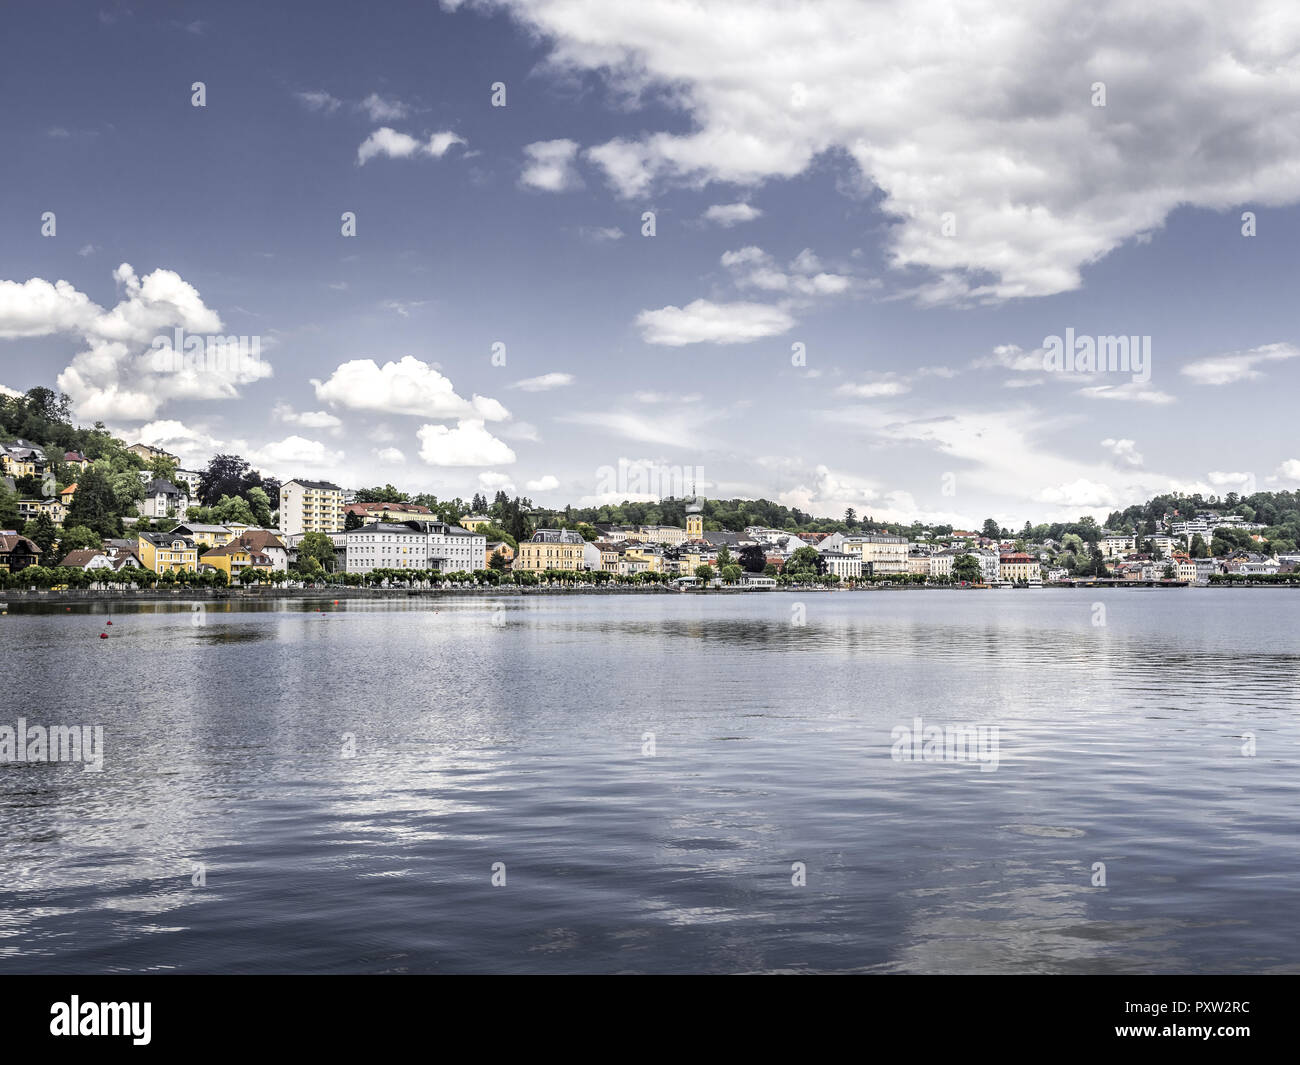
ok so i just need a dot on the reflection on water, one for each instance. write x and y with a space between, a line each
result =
347 775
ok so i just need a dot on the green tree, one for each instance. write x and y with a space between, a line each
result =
41 531
79 538
1197 548
235 508
315 553
705 573
991 529
95 505
497 561
260 504
967 568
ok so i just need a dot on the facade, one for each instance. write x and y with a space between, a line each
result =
17 552
189 481
494 546
22 458
1116 544
205 536
551 549
918 564
87 559
162 499
76 458
1019 568
388 512
386 545
414 545
165 552
30 508
266 543
148 453
846 565
990 566
695 520
881 553
234 558
474 522
310 506
664 534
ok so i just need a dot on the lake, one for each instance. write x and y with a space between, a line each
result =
676 783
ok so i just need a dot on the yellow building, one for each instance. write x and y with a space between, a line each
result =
1020 569
551 549
498 547
205 536
643 560
694 520
233 558
165 552
474 522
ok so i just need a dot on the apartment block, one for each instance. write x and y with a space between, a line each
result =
310 506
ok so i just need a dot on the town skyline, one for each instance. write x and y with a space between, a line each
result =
491 247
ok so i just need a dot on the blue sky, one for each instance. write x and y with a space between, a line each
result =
919 194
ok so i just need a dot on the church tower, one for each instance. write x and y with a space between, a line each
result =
694 519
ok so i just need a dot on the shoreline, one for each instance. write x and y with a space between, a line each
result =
16 597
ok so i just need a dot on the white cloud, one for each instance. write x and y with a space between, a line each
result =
548 483
469 444
1081 493
1125 451
297 452
387 141
127 370
388 454
1238 365
1041 182
87 250
887 385
754 268
550 166
731 214
191 444
545 382
1289 471
600 234
311 419
662 427
382 110
319 101
1129 391
408 386
714 323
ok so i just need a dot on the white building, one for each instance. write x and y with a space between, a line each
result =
843 564
162 499
414 545
310 506
1116 544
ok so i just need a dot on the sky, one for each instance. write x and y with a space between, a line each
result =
576 250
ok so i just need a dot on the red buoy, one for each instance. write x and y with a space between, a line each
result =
108 623
103 636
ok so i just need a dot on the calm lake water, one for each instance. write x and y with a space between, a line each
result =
514 731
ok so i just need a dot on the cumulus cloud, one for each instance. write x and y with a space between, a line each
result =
886 385
755 268
408 386
1238 365
297 452
319 101
706 322
128 369
549 166
468 444
395 145
388 454
548 483
1080 493
1040 182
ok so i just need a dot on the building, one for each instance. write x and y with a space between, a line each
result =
67 495
500 547
17 552
166 552
88 558
552 549
1020 568
387 545
881 553
387 512
846 565
414 545
162 499
1116 545
474 522
55 508
664 534
22 459
205 536
264 542
310 506
189 480
695 519
918 564
234 558
76 458
148 453
990 565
